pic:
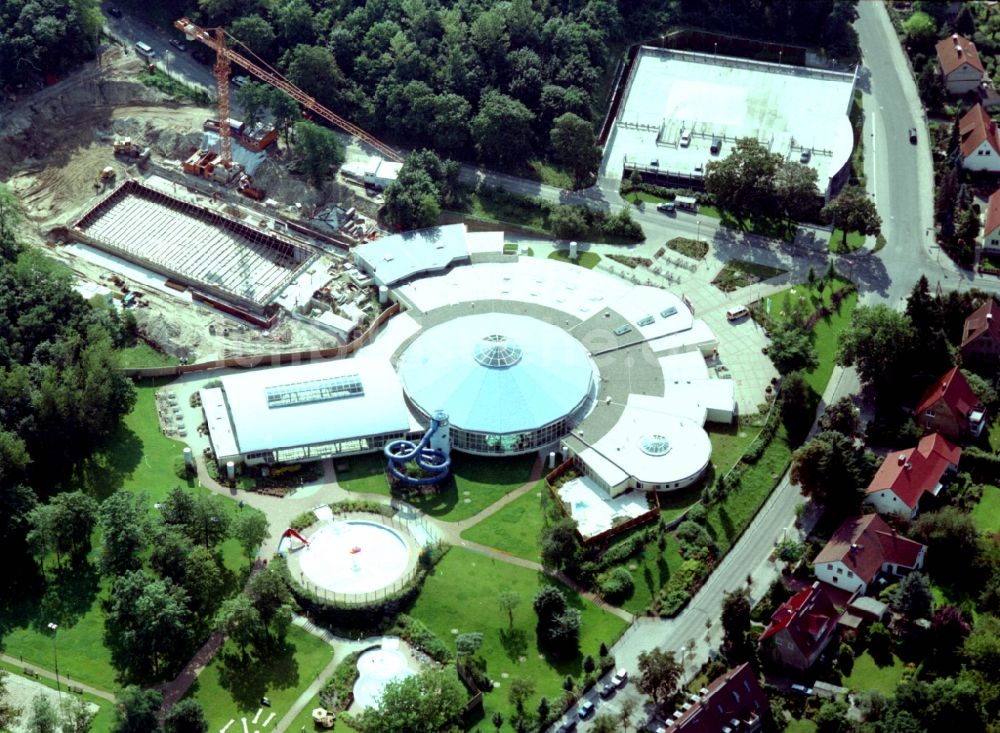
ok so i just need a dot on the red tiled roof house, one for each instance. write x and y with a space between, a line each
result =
732 702
961 69
861 549
981 333
979 141
950 407
801 628
991 227
905 477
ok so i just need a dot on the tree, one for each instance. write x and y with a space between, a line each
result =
314 70
879 343
626 709
912 597
920 28
508 602
792 348
254 32
568 222
953 543
796 188
798 406
964 23
9 712
318 152
468 644
254 97
240 620
842 417
429 702
828 470
124 523
982 647
948 633
269 594
519 692
497 721
853 211
501 130
42 718
659 673
743 181
411 202
77 716
930 86
250 529
832 718
201 579
186 716
560 547
604 723
575 145
285 112
736 622
136 711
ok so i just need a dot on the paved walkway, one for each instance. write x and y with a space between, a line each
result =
62 679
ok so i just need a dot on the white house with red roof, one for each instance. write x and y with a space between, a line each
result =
979 141
950 407
906 476
861 549
991 227
802 627
961 68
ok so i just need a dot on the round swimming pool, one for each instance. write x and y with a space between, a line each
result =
354 556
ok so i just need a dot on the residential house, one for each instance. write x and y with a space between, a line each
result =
950 407
802 627
979 141
861 549
731 702
991 227
961 69
981 333
905 477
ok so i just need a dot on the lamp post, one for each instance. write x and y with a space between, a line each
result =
55 654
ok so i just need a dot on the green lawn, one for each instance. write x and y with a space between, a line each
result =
729 443
728 518
515 528
827 330
586 259
634 197
365 474
105 715
986 514
867 675
549 175
144 355
855 241
801 726
994 435
230 688
461 594
738 274
304 721
651 571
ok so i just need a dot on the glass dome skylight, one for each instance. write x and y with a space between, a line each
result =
497 351
654 445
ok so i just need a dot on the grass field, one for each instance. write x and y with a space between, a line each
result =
549 175
867 675
515 528
986 514
651 571
144 355
461 594
729 443
738 274
827 330
801 726
105 714
855 241
365 475
634 197
230 688
587 259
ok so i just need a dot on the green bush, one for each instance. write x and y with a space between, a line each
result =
616 585
181 469
693 535
338 693
697 513
303 520
415 633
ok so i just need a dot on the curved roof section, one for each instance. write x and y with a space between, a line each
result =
497 373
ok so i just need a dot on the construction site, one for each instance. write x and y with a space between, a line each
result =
201 227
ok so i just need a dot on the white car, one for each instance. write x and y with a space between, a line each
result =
685 138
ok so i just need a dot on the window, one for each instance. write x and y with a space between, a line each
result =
850 574
318 390
829 566
929 413
736 696
840 571
835 580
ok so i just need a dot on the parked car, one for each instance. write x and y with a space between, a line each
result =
806 156
716 145
699 170
567 726
803 689
621 676
913 135
239 81
654 163
607 690
685 138
585 708
667 207
178 44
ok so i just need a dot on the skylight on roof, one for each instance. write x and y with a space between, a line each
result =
317 390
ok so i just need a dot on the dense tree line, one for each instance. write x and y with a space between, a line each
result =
61 392
40 37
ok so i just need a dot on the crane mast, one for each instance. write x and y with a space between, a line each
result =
215 39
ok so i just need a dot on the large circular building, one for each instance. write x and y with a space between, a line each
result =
510 384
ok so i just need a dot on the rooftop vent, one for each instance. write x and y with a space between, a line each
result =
902 458
908 466
989 316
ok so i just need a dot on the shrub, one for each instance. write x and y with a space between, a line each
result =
338 693
697 513
415 633
616 585
181 469
303 520
694 535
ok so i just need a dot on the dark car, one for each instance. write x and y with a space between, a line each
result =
114 12
178 44
807 154
667 207
716 146
607 690
585 708
913 135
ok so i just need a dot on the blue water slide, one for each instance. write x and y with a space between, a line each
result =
433 462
